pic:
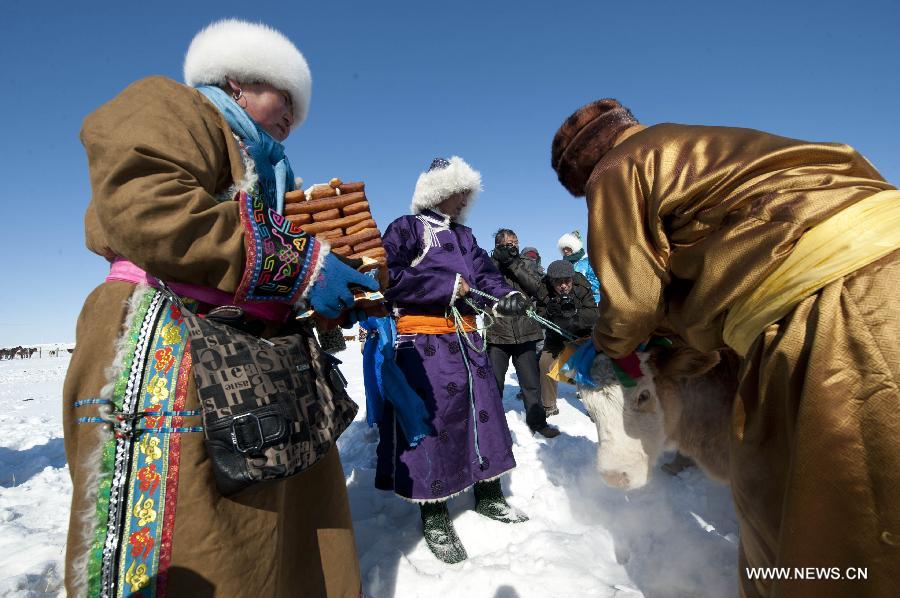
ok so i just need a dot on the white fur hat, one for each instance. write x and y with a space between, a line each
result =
571 240
249 52
443 179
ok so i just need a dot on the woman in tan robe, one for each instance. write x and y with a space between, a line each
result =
691 225
183 194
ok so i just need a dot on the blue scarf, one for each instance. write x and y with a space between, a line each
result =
272 166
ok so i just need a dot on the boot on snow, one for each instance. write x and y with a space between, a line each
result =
439 533
546 430
489 501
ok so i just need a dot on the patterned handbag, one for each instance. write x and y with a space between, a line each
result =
271 407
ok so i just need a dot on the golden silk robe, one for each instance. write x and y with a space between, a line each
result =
683 221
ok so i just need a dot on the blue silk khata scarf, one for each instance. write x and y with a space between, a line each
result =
272 166
385 381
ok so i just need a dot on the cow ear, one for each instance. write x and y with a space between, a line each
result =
683 362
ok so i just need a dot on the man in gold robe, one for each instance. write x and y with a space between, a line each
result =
697 230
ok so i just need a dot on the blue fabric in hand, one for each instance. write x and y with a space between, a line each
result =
330 293
581 363
385 381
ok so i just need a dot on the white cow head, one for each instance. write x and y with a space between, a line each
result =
630 424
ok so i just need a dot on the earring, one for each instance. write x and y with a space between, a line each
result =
237 98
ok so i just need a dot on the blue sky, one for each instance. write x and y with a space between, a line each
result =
398 83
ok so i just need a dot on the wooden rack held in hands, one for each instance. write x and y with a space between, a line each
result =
339 213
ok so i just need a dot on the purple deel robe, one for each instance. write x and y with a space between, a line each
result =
424 262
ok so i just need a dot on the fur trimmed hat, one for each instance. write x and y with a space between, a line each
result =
442 179
252 53
571 240
584 139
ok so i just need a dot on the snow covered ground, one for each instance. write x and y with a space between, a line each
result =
676 537
34 479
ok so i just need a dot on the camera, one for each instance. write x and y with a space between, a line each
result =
567 305
563 305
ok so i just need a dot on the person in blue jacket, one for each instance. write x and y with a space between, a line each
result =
572 249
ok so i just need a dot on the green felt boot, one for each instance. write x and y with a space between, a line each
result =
489 501
439 533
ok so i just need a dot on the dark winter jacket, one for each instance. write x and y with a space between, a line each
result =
576 315
520 275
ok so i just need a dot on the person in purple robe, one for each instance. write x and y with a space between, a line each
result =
435 263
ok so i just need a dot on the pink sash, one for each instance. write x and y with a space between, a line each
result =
122 269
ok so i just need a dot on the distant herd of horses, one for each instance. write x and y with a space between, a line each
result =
28 352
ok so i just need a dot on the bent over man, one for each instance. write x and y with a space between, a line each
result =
787 252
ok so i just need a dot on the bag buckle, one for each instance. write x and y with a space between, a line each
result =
234 437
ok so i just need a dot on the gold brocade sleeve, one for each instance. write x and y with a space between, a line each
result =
686 220
629 258
158 154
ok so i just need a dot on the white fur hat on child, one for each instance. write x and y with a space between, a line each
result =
571 240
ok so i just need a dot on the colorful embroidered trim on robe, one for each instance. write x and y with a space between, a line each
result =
139 475
281 258
165 550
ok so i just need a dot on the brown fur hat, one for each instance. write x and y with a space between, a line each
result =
584 138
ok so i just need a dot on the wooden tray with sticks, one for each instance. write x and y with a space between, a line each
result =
338 213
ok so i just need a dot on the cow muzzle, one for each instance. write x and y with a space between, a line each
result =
616 479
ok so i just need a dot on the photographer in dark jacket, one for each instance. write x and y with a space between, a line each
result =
517 337
566 299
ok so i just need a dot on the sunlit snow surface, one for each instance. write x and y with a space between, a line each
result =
676 537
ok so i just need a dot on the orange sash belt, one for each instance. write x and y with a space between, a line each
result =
432 325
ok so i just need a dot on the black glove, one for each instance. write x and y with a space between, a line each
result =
505 254
554 308
513 305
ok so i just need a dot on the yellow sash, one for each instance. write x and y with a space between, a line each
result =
849 240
